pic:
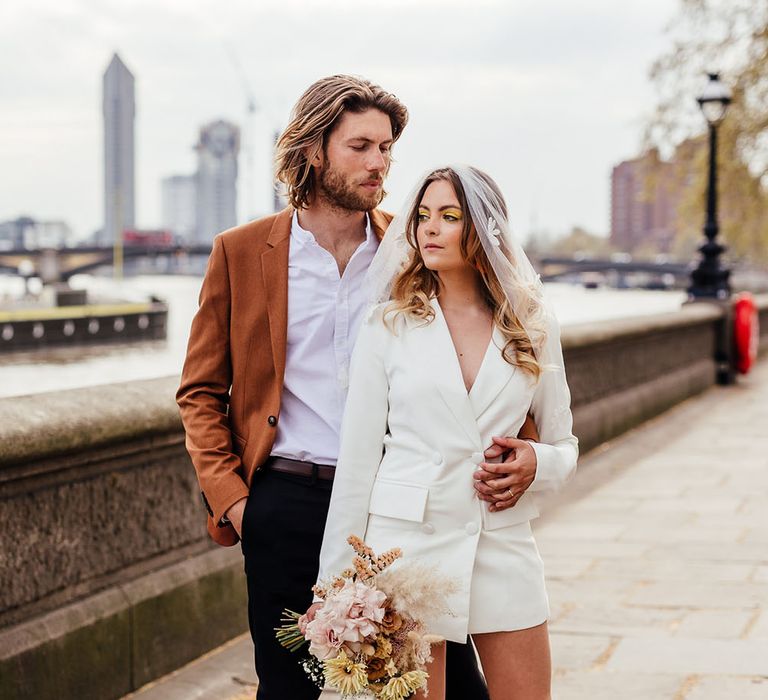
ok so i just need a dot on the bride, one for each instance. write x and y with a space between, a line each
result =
458 348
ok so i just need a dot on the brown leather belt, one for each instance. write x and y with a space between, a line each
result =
299 468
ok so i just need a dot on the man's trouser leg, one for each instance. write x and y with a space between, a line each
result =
463 680
282 533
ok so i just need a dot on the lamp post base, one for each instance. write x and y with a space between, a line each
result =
709 280
723 353
710 284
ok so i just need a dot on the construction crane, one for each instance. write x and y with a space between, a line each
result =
248 142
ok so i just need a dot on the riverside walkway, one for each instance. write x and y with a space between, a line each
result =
657 565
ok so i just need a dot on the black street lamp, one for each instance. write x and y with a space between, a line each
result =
709 279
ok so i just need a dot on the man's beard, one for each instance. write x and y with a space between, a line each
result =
337 190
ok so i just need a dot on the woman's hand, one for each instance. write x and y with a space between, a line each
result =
502 484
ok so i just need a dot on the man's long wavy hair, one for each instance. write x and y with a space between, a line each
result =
313 119
417 284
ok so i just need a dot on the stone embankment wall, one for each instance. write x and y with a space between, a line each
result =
107 577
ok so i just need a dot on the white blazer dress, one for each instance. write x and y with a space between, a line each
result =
412 436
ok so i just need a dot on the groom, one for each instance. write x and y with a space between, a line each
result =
264 380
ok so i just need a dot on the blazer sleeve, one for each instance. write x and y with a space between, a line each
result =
557 449
203 396
362 443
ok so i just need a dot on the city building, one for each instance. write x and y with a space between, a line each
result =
119 111
12 233
217 152
48 234
644 199
26 233
179 209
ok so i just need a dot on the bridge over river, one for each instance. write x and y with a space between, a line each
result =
56 265
554 268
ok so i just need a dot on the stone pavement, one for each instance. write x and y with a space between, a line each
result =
657 568
657 565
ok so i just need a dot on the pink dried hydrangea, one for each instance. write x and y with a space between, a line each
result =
349 615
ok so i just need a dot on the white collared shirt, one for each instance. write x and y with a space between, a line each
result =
324 315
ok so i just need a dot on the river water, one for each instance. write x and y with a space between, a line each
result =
67 368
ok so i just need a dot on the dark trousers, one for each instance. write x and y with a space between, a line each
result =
282 532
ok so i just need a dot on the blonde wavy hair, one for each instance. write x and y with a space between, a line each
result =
314 118
416 284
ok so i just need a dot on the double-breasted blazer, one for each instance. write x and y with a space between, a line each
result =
232 380
411 438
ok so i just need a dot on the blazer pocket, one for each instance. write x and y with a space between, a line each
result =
399 500
524 511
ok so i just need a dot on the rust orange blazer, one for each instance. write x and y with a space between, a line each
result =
232 380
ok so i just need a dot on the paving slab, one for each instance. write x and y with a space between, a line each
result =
696 656
610 685
672 569
570 651
758 626
729 687
743 552
701 594
617 620
225 673
711 504
714 624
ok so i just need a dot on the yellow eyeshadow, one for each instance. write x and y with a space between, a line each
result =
452 212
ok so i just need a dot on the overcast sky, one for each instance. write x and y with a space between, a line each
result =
545 95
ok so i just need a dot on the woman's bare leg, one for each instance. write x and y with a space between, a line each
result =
517 665
436 671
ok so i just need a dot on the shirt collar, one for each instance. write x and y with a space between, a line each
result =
301 235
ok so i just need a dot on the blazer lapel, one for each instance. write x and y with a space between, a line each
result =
493 376
274 267
379 222
443 367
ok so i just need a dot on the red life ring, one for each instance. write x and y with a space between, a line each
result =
745 332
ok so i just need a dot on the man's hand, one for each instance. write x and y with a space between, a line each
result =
235 516
502 484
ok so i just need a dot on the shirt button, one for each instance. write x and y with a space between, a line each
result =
428 528
437 458
272 421
477 457
471 528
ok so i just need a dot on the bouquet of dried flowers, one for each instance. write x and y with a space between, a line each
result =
368 636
